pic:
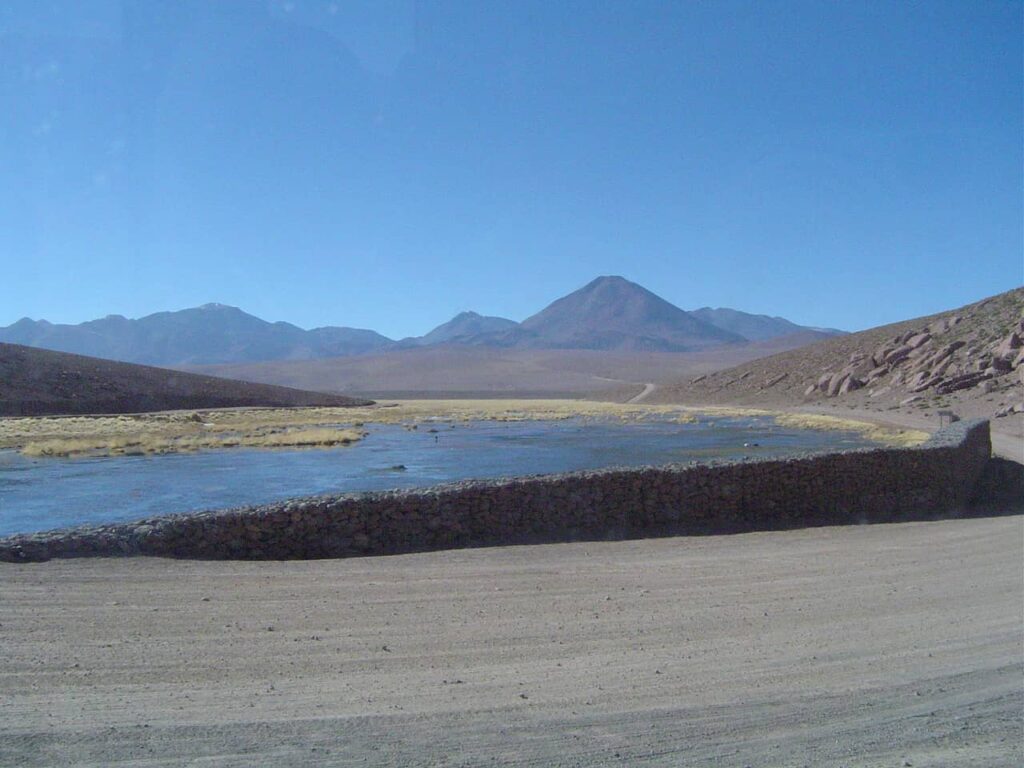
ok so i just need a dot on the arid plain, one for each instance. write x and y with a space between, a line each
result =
873 645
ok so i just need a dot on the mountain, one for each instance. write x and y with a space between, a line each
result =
212 333
466 327
337 341
608 314
612 313
35 382
755 327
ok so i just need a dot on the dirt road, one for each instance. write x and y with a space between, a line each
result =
649 387
884 645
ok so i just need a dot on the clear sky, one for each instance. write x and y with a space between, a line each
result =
387 163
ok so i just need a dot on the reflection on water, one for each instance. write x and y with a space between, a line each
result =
39 494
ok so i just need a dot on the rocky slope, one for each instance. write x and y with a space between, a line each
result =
35 382
970 358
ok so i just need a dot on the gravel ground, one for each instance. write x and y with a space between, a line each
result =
884 645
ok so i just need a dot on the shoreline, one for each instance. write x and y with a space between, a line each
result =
215 429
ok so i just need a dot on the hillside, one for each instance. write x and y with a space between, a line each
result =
969 359
35 382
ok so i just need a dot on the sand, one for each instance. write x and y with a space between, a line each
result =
884 645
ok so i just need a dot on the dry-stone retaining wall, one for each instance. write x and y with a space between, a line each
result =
866 485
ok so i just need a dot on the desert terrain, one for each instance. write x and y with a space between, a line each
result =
450 370
736 650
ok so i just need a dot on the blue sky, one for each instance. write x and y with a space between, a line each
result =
385 164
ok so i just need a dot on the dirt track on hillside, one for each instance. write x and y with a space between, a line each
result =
881 645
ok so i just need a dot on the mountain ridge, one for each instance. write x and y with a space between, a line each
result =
608 313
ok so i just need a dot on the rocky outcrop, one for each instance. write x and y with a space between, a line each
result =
921 360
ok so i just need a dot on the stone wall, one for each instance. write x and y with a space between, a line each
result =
858 486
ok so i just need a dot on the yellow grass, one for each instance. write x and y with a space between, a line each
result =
293 427
152 443
879 433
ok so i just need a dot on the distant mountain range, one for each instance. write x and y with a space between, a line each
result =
755 327
609 313
212 333
464 328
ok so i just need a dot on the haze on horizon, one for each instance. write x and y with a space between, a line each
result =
385 164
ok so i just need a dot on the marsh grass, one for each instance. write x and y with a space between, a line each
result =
176 431
156 443
895 436
880 434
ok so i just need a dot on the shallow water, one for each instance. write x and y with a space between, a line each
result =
40 494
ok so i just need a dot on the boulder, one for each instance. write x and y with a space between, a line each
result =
877 373
1000 365
941 326
917 380
965 381
1007 348
919 340
836 383
949 349
898 355
928 383
850 384
879 355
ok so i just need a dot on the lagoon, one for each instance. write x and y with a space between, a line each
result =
44 493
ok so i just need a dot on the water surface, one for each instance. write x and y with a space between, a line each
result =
41 494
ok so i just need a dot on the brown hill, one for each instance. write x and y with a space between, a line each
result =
971 359
36 382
